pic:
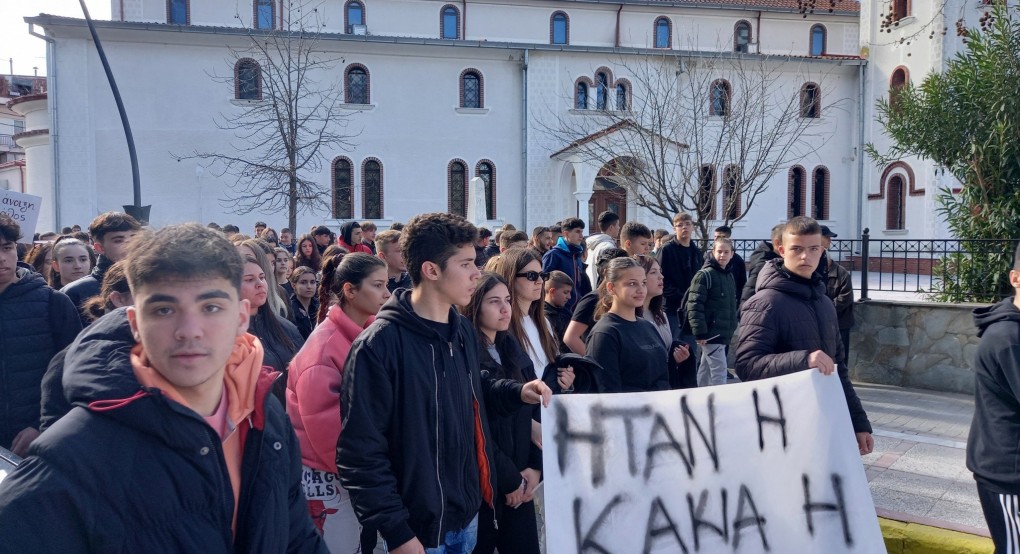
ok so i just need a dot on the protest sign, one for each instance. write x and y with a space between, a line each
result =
23 209
765 466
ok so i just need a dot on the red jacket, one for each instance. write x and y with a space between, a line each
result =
313 388
352 249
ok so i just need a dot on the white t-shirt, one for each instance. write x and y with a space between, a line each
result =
534 346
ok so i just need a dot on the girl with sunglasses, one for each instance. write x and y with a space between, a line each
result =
627 346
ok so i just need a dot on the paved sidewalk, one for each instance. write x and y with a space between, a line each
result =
917 471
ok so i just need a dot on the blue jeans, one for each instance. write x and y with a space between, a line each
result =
458 542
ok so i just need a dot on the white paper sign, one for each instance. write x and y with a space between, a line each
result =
23 209
766 466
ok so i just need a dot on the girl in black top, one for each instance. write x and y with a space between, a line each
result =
304 303
627 346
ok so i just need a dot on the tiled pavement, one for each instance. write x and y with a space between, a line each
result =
917 469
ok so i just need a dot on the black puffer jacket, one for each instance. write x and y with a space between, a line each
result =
35 323
763 253
390 452
783 323
839 287
88 286
128 470
712 304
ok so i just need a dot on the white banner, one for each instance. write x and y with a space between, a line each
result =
23 209
766 466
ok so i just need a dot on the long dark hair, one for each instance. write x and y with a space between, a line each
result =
331 259
473 311
265 314
655 305
507 265
612 274
313 261
353 268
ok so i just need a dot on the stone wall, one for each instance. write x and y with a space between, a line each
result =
914 344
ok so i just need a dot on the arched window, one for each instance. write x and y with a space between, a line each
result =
897 82
796 192
559 28
622 99
357 89
895 203
343 189
663 33
720 96
456 176
449 23
818 40
247 80
731 192
810 101
264 14
471 89
820 194
900 9
742 37
487 171
581 96
371 189
601 91
706 192
354 14
178 12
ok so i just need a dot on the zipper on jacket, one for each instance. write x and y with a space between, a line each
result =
220 464
485 455
439 480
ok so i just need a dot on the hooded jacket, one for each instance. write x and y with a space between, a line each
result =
783 323
88 286
35 323
763 253
596 243
344 240
313 388
129 470
993 448
567 258
396 427
712 304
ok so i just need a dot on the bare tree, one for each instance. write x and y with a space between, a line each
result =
691 128
289 117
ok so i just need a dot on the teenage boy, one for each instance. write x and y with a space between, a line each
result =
737 266
994 443
174 431
609 232
636 239
414 452
557 292
840 289
767 250
387 246
260 226
481 245
368 231
111 235
323 237
790 324
566 256
36 322
679 260
287 240
541 240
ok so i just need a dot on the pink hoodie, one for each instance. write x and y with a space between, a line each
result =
313 388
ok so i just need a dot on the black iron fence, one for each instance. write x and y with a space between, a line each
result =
945 270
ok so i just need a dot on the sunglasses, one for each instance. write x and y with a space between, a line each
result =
534 275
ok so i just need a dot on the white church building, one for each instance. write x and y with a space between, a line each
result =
440 92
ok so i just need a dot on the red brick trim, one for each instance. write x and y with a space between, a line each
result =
494 184
805 106
826 178
750 34
890 222
364 188
481 87
364 15
669 34
333 189
805 182
715 188
442 12
825 39
728 177
711 97
887 173
590 85
609 75
566 18
629 93
255 15
449 185
368 83
187 12
237 79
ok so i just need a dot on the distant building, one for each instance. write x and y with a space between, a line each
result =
12 124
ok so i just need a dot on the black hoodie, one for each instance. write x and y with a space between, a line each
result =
993 448
413 411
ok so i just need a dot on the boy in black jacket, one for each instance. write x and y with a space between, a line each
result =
414 450
993 447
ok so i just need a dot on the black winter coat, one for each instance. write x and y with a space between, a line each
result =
88 286
679 264
840 288
783 323
128 470
389 454
35 323
712 304
993 448
756 262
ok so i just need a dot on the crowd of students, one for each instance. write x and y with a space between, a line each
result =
363 391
